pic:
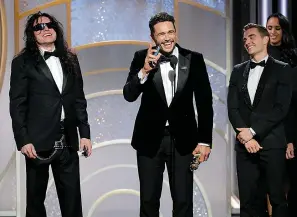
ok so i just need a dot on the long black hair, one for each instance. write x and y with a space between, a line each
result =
61 46
288 45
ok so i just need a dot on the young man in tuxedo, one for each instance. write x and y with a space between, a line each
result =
166 130
258 101
47 105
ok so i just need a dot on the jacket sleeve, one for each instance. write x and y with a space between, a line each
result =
81 105
18 102
133 88
233 102
203 99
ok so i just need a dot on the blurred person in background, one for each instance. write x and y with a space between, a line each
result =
282 47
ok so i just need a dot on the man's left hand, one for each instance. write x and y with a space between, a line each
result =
204 152
86 143
245 135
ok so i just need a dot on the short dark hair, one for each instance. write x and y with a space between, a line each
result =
262 30
160 17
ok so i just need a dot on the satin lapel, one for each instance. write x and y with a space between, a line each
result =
245 91
263 79
157 79
183 74
65 74
42 66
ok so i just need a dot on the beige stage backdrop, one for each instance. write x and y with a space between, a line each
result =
106 33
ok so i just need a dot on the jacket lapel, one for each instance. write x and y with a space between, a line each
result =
245 91
65 74
42 67
263 79
183 72
157 79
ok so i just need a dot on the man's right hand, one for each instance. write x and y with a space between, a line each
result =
150 57
29 151
252 146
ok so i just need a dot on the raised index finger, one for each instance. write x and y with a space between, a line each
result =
150 48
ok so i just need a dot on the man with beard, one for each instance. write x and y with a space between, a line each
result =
166 130
258 102
47 105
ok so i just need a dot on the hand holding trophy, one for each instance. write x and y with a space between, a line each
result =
195 162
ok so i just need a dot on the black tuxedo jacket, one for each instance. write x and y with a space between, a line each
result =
154 111
36 103
271 103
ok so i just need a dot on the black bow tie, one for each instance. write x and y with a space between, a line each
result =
48 54
253 64
164 59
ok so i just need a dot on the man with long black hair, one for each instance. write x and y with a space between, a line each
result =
47 105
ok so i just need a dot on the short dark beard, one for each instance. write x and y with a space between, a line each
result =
167 53
161 50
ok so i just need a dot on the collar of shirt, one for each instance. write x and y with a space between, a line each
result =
265 58
175 52
42 50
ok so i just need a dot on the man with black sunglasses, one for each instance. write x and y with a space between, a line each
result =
47 105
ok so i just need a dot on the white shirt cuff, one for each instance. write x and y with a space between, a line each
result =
141 77
204 144
252 131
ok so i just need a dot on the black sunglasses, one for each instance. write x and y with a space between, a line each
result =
41 26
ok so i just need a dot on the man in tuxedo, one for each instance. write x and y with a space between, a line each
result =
166 130
258 101
47 105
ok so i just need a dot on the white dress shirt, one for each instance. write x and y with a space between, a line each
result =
55 68
165 69
253 81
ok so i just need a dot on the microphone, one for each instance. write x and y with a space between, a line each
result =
173 61
171 75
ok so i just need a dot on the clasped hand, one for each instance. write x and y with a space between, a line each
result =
245 135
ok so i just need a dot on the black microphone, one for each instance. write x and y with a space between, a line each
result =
171 75
173 61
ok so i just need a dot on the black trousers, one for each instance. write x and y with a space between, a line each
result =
65 167
150 170
252 169
290 186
